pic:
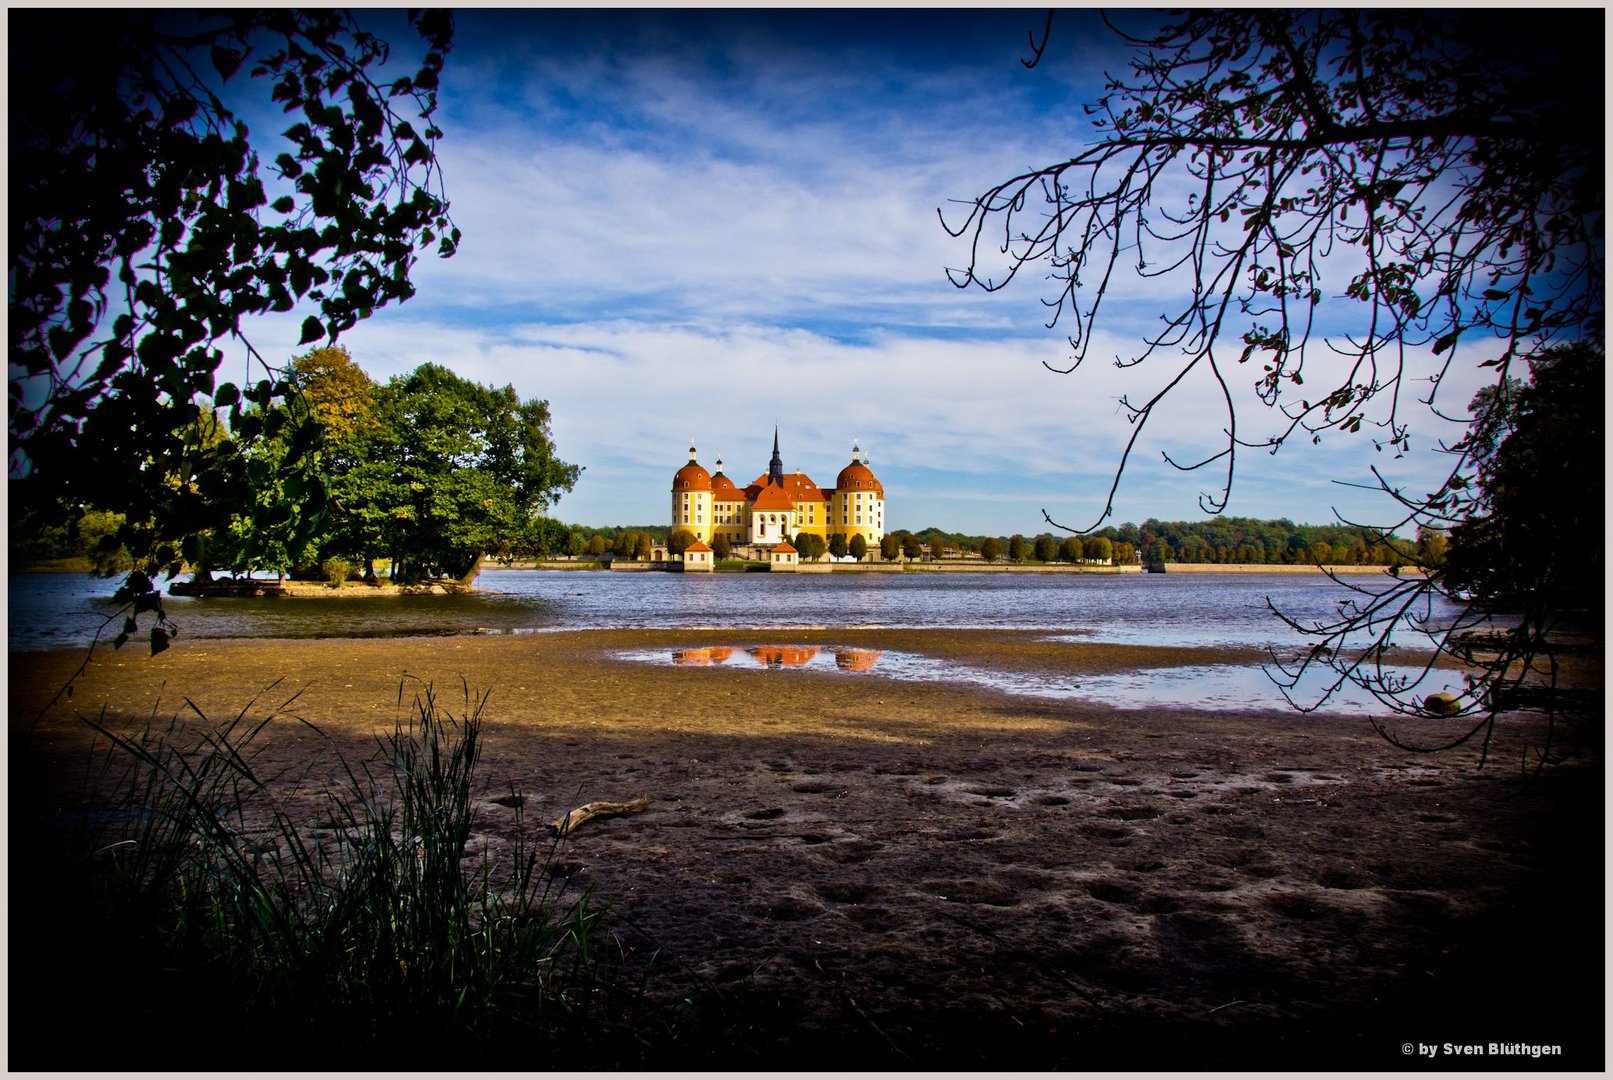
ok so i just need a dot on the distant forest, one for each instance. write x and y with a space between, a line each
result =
1218 540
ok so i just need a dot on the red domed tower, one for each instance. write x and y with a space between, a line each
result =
857 503
692 500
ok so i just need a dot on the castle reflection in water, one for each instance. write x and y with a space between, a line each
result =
775 656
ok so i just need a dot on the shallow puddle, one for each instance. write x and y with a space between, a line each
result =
1215 687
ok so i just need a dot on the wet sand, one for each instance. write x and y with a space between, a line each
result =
935 875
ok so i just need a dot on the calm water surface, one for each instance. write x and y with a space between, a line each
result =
50 611
56 610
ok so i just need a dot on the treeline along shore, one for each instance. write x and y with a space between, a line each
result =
978 567
261 587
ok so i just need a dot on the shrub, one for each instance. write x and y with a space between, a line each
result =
336 570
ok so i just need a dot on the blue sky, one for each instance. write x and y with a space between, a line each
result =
703 224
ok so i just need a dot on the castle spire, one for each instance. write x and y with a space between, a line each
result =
775 468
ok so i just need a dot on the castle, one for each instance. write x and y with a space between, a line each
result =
778 506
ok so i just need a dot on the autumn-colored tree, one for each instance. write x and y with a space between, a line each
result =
336 393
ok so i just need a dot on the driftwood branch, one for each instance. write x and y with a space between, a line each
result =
562 826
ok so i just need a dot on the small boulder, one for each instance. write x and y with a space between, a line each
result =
1441 704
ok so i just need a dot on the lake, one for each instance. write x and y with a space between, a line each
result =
50 611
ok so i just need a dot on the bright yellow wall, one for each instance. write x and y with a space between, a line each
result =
693 515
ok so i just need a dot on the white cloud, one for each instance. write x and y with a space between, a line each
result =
683 242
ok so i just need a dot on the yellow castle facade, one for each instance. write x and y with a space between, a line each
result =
777 506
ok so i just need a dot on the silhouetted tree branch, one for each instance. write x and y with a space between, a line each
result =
1333 196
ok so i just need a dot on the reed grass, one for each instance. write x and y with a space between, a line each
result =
377 941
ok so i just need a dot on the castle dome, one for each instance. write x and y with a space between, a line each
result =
691 477
857 477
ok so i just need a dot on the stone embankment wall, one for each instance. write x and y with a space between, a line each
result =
1268 568
949 566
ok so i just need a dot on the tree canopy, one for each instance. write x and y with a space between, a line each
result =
450 471
1335 196
149 225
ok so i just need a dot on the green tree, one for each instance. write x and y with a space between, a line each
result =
857 547
1098 548
912 547
991 549
1016 548
837 545
98 532
1533 537
890 548
1046 548
452 470
1071 549
938 547
1523 540
721 548
1124 554
595 546
147 230
634 545
810 545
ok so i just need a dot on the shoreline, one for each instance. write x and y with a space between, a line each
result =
935 875
967 567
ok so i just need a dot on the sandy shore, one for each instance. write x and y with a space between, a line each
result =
934 875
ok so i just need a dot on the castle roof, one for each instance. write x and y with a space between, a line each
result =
725 489
797 485
691 478
773 497
785 546
856 477
698 546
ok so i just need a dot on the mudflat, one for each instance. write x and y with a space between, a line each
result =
888 874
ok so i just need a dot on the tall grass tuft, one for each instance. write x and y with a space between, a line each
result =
379 940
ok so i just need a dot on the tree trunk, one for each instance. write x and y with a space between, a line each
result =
469 576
